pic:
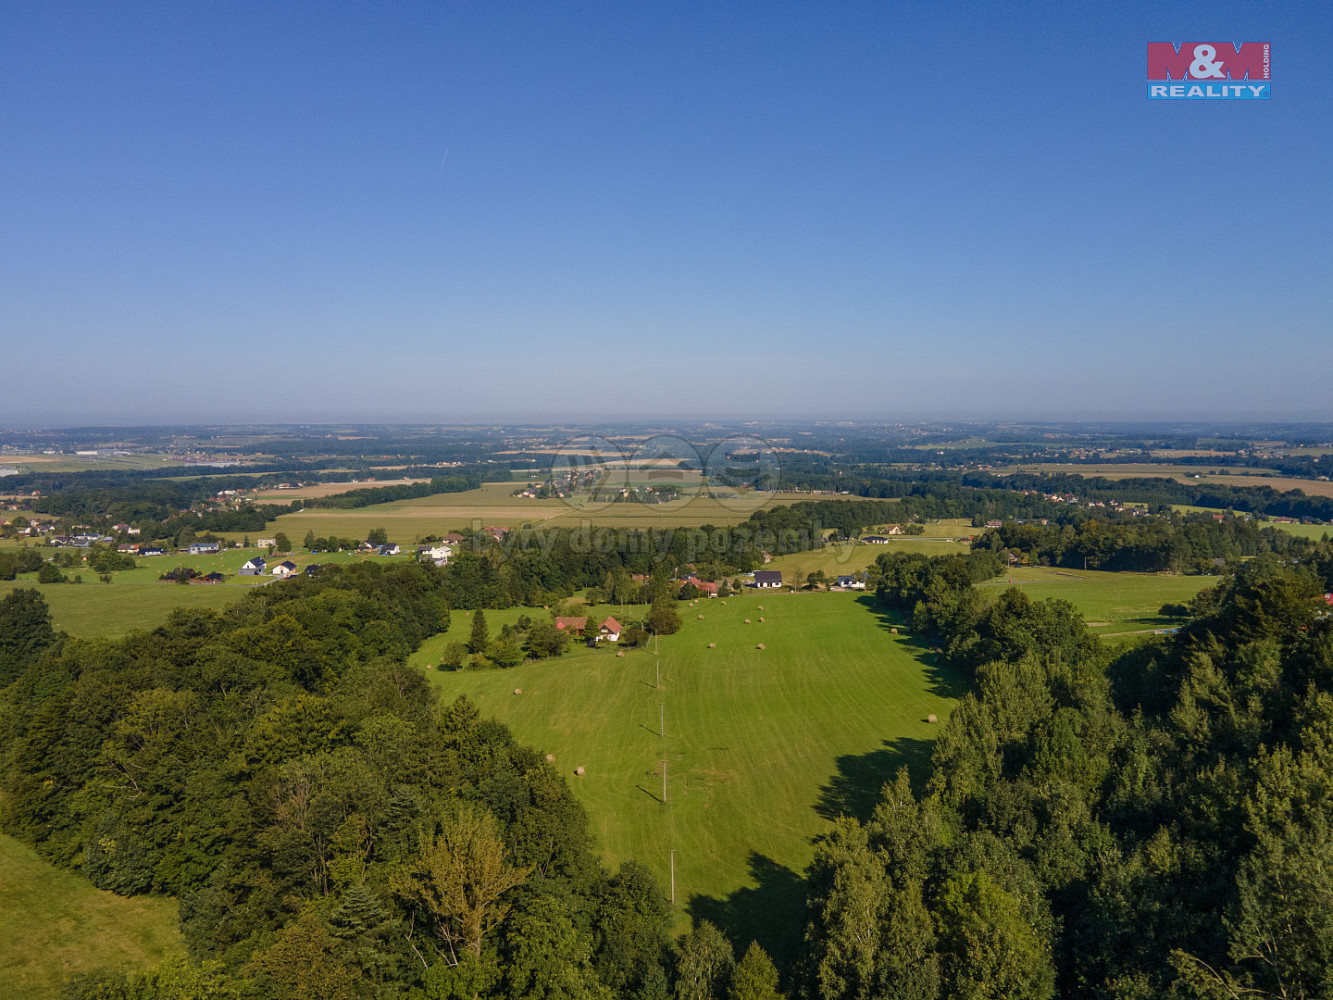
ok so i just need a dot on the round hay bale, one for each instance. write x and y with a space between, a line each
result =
430 666
894 631
620 654
579 770
724 604
931 718
550 758
712 645
761 619
518 690
760 646
747 621
761 607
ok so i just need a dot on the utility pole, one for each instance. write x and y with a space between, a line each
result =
673 876
664 798
661 725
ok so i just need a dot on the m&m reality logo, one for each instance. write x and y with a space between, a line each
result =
1208 71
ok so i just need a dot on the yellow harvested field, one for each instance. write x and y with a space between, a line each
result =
329 489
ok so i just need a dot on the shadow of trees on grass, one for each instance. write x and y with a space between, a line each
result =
771 913
855 789
946 680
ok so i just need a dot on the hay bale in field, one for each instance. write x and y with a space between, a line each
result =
579 770
761 619
894 631
620 655
712 645
430 666
931 719
761 607
747 621
760 646
550 758
518 690
701 618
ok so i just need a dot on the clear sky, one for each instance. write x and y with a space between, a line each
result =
523 211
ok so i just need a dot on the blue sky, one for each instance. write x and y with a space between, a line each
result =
497 211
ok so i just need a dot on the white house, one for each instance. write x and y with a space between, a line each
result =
283 569
254 566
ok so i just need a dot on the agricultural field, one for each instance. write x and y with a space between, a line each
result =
86 610
761 749
1136 470
83 463
494 503
54 923
1113 604
1312 531
325 490
136 599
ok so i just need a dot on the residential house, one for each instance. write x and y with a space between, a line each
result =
572 626
875 540
389 550
254 567
214 577
851 583
283 570
437 554
267 543
609 630
703 586
152 550
204 548
768 579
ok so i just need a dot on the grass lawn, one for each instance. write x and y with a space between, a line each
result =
1112 603
116 609
762 747
54 923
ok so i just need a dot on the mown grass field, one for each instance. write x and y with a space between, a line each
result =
762 747
54 923
136 599
93 609
1111 603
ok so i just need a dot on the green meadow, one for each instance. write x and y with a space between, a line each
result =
761 747
1111 603
93 609
54 923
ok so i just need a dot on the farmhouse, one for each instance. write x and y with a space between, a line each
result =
875 540
152 550
851 582
389 550
609 630
572 625
267 543
768 579
703 586
253 567
283 570
204 548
